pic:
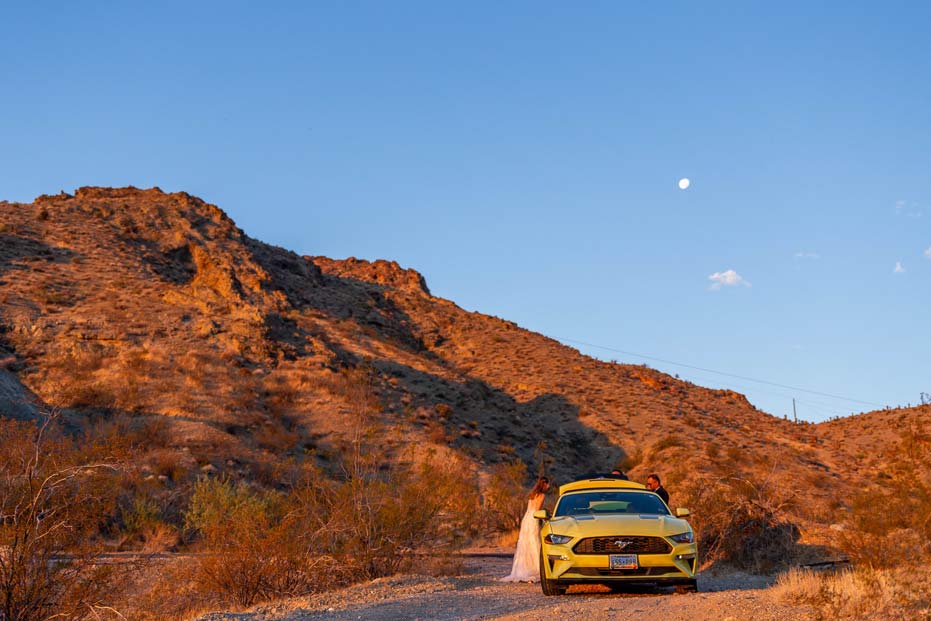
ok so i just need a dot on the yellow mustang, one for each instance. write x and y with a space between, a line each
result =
614 532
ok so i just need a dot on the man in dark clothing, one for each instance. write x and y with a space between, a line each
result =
654 485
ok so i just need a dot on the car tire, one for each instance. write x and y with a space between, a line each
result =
550 587
688 587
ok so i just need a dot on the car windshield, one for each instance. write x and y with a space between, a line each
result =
602 502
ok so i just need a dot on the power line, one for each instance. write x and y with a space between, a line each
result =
742 377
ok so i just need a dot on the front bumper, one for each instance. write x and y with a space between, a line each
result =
677 567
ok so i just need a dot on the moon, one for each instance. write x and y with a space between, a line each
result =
684 183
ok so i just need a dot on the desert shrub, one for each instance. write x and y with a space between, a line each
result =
145 524
53 503
667 442
252 550
258 545
170 463
281 393
153 432
691 420
735 454
505 496
352 384
142 513
275 436
377 519
631 460
885 525
436 432
741 520
73 377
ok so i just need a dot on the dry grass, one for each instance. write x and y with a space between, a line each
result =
902 593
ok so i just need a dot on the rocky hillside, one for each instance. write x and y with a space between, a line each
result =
239 355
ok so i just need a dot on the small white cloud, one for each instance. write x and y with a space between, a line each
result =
898 268
803 254
928 252
909 209
729 278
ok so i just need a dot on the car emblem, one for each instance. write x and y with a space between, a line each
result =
621 544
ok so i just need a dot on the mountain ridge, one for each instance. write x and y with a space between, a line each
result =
157 306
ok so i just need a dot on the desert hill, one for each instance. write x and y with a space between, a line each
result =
236 355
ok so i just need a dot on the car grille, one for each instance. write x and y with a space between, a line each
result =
635 545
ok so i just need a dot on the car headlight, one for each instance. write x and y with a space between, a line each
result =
551 538
683 538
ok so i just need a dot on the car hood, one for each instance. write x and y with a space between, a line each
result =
617 524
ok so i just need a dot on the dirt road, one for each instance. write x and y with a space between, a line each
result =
477 594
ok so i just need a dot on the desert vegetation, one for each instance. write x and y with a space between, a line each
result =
69 497
863 593
744 519
55 495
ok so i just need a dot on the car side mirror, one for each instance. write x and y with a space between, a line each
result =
682 512
541 514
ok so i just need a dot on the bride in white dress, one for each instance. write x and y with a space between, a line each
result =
526 567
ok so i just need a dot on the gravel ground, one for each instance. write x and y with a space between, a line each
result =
477 594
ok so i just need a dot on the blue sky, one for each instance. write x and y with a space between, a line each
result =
524 157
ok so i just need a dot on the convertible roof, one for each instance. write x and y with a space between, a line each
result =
599 483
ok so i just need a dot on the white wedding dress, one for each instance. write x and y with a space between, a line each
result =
526 567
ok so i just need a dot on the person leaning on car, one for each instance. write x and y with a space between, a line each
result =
654 485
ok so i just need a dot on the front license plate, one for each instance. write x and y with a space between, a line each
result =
622 561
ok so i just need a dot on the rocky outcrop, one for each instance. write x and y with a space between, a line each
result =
380 272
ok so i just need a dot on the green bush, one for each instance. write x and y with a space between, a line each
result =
252 550
141 514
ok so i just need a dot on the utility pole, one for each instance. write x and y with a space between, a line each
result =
794 413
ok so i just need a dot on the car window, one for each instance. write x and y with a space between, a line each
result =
604 502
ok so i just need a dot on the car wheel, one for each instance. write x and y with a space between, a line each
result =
689 587
550 587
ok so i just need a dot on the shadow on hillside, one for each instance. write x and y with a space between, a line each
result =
307 288
16 401
488 423
471 415
175 266
14 248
